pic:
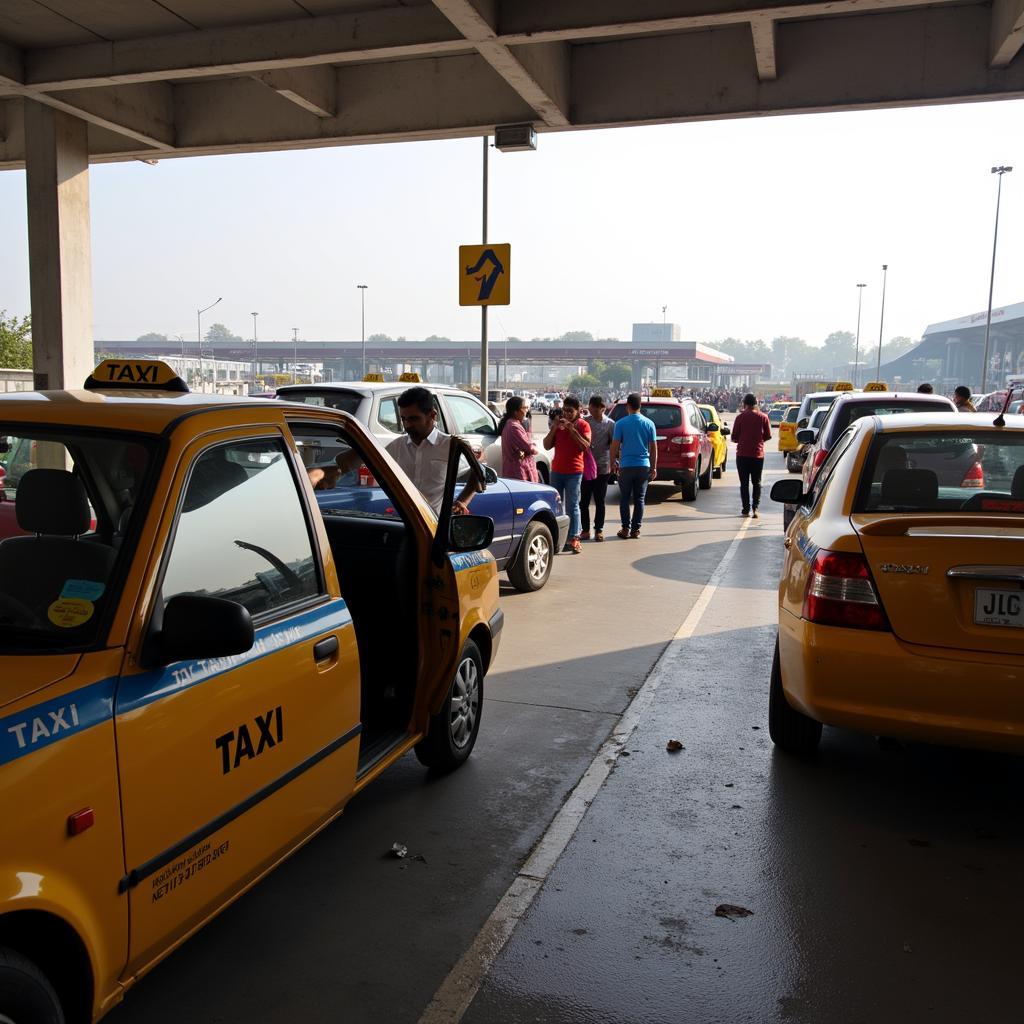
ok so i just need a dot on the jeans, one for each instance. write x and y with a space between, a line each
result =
749 470
598 489
633 482
568 486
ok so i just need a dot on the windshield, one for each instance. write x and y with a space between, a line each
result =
343 401
848 412
978 470
68 501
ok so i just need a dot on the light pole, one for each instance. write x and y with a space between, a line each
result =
664 310
255 351
362 302
199 338
295 353
483 309
992 277
881 323
856 350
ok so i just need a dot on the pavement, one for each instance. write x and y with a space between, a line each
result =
881 882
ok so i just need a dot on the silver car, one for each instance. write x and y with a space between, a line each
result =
375 404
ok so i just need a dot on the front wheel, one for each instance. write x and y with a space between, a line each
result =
789 729
25 993
452 733
532 567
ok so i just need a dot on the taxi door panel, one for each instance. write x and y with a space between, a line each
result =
227 763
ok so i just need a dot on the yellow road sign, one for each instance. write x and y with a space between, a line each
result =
484 275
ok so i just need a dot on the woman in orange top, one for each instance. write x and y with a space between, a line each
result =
569 436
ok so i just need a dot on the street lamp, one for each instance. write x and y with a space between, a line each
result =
199 337
295 353
992 277
362 301
881 323
255 351
856 350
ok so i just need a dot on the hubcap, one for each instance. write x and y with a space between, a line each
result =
465 705
538 557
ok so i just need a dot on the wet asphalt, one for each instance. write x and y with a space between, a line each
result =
882 883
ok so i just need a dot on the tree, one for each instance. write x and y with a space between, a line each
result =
15 342
577 336
435 338
151 336
218 334
377 338
583 383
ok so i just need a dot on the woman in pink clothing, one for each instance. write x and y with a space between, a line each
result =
517 447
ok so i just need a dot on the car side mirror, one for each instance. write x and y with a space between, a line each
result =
470 533
802 423
807 436
490 476
787 492
199 626
711 428
726 431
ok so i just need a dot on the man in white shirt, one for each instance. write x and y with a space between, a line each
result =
423 450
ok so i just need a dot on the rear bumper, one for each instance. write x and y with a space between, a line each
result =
872 682
563 532
679 474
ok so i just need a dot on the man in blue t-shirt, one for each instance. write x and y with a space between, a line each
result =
634 457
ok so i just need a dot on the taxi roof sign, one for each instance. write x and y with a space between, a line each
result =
134 374
373 378
661 393
876 385
841 385
409 378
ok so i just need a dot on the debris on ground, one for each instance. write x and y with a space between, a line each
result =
674 746
729 785
731 911
399 851
625 753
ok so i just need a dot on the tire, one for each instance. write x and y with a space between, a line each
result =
705 479
452 733
26 997
532 567
718 471
789 729
689 489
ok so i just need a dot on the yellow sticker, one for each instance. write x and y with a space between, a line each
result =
68 612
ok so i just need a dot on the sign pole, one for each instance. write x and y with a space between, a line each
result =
483 309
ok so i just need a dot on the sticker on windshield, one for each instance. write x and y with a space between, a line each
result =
68 612
87 590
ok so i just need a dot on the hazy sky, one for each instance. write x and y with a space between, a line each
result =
746 228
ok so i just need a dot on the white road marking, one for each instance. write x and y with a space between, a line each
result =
458 990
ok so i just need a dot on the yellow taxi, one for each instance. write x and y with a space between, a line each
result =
901 601
194 685
717 435
787 429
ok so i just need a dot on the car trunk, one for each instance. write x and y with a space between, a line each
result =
949 581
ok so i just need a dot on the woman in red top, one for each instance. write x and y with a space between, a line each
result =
570 437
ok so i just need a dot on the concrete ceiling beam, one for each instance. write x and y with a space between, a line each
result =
763 30
313 89
540 74
12 71
372 35
143 112
1007 31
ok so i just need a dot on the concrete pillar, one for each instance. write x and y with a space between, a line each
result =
60 260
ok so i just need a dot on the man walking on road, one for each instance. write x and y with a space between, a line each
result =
750 430
634 456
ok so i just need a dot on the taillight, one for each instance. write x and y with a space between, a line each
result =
689 440
840 592
974 477
366 478
820 456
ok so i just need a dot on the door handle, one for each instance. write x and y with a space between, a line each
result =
323 649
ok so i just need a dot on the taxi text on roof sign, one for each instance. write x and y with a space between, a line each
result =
373 378
409 378
151 374
876 385
484 275
661 393
841 385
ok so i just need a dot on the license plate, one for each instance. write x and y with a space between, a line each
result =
999 607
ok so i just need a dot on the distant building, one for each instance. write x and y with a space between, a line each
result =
656 334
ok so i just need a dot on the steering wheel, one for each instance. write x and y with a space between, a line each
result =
16 613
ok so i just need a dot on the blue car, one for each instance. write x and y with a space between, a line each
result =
529 522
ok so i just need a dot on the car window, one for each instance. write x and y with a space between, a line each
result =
343 400
706 415
792 413
662 416
825 473
470 416
696 418
242 533
976 470
388 417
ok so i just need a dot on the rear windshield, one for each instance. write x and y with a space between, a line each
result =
343 401
662 416
847 413
971 471
792 413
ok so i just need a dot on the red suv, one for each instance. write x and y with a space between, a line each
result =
684 448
